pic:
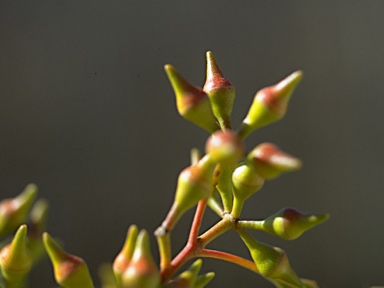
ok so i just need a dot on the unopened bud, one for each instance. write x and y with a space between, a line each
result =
220 91
270 104
188 278
225 147
70 271
269 161
14 211
142 270
107 276
124 257
16 259
191 101
289 223
312 284
271 262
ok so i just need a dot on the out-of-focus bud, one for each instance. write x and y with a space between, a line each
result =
220 91
310 283
14 212
16 260
271 262
38 220
106 276
289 223
204 279
269 161
246 181
225 147
70 271
142 271
124 257
191 101
270 104
194 184
187 278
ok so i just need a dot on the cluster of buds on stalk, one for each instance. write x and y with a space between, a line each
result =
221 179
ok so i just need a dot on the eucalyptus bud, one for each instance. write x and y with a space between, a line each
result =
141 270
220 91
70 271
14 211
186 279
16 259
270 104
269 161
191 101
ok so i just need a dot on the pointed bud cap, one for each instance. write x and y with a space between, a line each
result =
192 102
225 147
70 271
289 223
271 262
142 270
124 257
14 212
270 104
220 91
38 220
188 278
269 161
15 258
204 279
246 181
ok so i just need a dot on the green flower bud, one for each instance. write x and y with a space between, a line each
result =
194 184
192 102
124 257
107 276
14 212
269 161
141 271
188 278
225 147
270 104
204 279
16 259
220 91
70 271
289 223
271 262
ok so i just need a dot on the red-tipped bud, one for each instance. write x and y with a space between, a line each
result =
70 271
14 212
124 257
191 101
220 91
269 161
270 104
16 259
225 147
289 223
142 270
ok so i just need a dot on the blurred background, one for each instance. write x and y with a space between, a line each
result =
87 113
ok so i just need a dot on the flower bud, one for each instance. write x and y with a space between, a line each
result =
141 270
107 276
271 262
70 271
225 147
220 91
16 259
194 184
289 223
14 212
191 101
186 279
270 104
312 284
204 279
269 161
124 257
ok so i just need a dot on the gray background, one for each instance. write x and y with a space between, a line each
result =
87 113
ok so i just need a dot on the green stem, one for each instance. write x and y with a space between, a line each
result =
215 231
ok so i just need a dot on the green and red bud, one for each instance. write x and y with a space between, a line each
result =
123 259
194 184
141 270
271 262
289 223
220 92
16 259
269 161
70 271
14 211
191 101
270 104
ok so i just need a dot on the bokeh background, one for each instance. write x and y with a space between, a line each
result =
87 113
